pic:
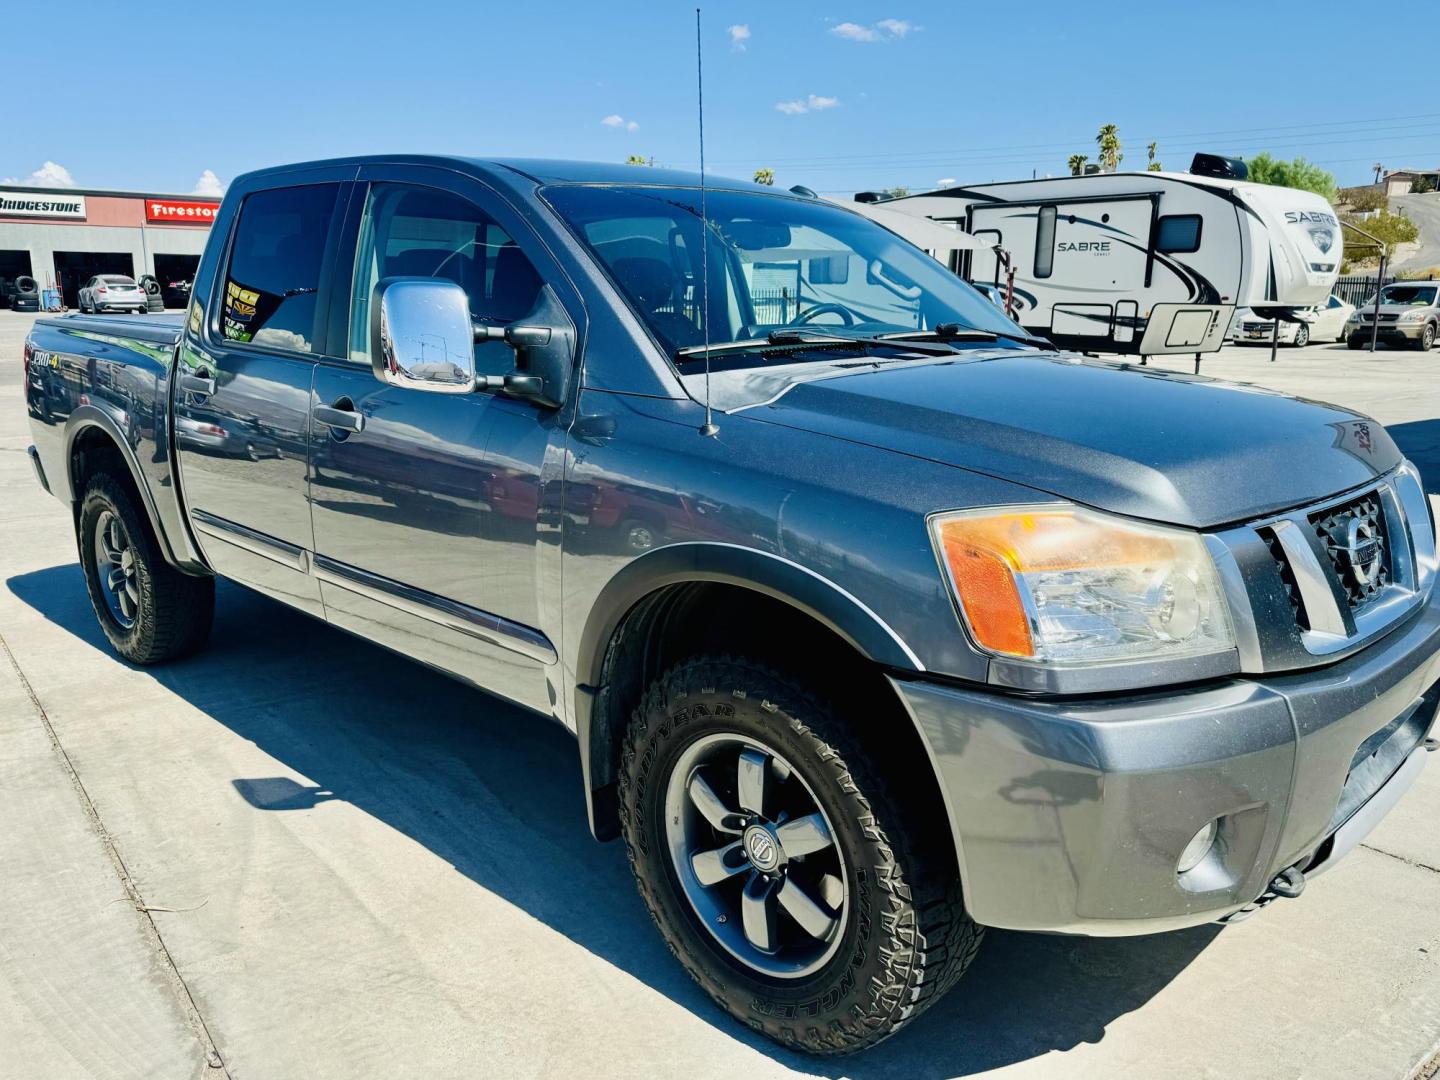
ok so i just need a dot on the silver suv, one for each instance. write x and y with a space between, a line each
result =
1409 315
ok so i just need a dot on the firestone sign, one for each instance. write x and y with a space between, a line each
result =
30 204
180 211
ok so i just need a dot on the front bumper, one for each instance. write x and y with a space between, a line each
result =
1070 815
1388 331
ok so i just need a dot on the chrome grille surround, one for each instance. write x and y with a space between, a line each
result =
1293 582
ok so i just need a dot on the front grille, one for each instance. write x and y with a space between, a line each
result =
1287 576
1353 536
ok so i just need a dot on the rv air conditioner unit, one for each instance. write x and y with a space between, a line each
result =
1222 167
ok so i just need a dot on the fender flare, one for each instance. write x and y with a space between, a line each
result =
750 568
731 564
91 416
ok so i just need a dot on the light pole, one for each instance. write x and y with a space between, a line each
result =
1379 280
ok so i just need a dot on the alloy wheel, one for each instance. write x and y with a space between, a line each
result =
115 569
756 856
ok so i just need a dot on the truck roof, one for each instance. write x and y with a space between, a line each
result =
540 170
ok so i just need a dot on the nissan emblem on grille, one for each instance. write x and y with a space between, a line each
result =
1354 538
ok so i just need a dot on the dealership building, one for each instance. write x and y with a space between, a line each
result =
62 237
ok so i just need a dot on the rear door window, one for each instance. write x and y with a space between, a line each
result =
272 282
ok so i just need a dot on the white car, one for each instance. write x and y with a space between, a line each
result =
1326 323
112 292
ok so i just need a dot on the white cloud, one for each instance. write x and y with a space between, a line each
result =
855 32
948 181
48 175
615 120
895 27
739 35
884 30
811 103
209 184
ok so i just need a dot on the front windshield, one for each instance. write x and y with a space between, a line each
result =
1408 295
774 262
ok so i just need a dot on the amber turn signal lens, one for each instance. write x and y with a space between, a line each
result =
984 581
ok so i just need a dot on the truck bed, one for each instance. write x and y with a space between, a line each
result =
156 329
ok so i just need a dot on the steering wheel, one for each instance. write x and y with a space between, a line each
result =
847 316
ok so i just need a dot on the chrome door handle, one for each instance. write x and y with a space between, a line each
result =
196 384
346 419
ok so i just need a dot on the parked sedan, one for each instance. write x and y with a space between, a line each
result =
112 292
1322 323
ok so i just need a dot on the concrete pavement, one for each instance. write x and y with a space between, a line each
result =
356 868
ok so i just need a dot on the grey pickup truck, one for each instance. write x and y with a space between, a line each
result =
876 620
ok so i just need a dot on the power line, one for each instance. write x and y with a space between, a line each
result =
1265 134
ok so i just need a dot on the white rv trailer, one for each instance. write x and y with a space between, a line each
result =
1142 262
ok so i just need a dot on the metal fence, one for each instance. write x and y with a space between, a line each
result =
1357 288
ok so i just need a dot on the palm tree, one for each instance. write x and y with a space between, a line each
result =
765 176
1077 164
1108 139
1153 166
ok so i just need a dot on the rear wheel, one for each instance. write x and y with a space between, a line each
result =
805 896
149 610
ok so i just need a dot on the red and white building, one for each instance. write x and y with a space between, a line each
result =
63 236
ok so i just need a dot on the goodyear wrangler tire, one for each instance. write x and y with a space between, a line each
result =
148 610
799 890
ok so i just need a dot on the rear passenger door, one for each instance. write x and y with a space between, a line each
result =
428 508
243 384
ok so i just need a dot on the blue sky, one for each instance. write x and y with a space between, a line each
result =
838 96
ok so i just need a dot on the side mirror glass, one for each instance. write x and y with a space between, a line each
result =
421 335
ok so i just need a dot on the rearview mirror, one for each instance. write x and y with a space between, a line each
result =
421 335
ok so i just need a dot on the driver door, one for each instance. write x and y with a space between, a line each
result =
426 506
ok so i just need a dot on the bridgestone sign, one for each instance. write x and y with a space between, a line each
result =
28 204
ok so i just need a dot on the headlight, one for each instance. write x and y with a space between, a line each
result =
1412 316
1067 586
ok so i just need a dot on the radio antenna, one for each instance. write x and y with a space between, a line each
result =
709 429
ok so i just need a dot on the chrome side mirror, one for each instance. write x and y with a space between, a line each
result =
421 335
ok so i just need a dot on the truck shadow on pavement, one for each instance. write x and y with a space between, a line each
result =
495 791
1419 441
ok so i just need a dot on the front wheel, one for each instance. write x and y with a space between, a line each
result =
1302 336
1426 341
149 610
1355 343
807 897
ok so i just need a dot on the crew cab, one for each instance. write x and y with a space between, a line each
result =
876 621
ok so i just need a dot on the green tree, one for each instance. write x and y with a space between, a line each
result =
1108 139
1390 229
1306 175
1151 164
1422 185
1369 197
894 192
765 176
1077 164
638 159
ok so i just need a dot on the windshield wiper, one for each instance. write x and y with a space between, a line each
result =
956 331
791 338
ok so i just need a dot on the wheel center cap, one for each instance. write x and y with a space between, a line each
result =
763 849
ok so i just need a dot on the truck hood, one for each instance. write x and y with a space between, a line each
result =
1151 444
